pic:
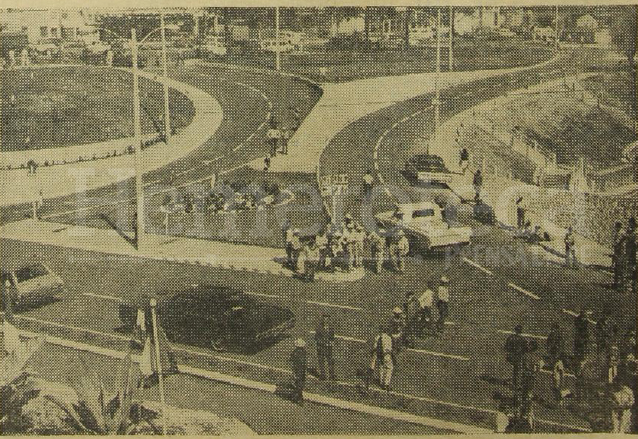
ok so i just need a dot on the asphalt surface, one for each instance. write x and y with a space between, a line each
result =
460 375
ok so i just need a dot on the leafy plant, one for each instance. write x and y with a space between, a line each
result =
96 412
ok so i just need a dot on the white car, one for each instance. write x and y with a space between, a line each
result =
30 284
424 224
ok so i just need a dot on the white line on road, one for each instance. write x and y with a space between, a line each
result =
100 296
333 305
524 291
475 265
419 351
272 296
540 337
575 314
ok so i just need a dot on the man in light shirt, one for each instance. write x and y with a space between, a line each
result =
382 359
426 300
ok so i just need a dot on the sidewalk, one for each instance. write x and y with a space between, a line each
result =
501 192
17 186
343 103
217 254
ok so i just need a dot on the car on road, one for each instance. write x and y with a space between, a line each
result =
217 318
424 225
427 168
30 285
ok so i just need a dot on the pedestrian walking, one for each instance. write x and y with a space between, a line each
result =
325 340
311 261
377 250
273 136
382 359
581 336
629 256
570 249
402 250
520 213
464 160
426 301
477 182
368 182
618 260
528 383
299 366
516 348
555 344
442 302
558 380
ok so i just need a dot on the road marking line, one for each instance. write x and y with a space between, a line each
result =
540 337
100 296
475 265
273 296
419 351
333 305
524 291
575 314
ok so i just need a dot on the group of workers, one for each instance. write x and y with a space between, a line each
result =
342 247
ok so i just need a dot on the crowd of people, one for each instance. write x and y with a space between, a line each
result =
342 248
602 360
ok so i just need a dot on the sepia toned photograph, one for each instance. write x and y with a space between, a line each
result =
318 220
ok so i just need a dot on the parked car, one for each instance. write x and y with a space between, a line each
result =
48 45
30 285
424 225
427 168
218 318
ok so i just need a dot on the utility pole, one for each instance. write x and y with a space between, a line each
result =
450 55
277 48
167 113
139 189
437 99
158 364
556 36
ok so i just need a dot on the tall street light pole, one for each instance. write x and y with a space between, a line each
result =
451 37
437 99
277 48
167 113
139 189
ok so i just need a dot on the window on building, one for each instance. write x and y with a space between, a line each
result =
44 31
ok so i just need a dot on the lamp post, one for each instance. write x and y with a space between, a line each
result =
167 113
139 188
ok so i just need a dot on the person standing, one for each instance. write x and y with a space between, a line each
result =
442 302
515 350
296 247
426 300
570 249
520 213
377 250
273 135
311 261
286 134
325 340
382 359
618 260
402 250
299 366
397 329
464 160
411 310
581 336
622 400
321 240
368 182
359 237
555 344
630 256
477 182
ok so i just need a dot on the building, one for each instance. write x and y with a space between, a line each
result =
37 25
587 21
347 26
544 33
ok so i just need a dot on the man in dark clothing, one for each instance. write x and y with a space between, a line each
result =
299 365
520 213
478 184
581 336
325 339
555 344
515 350
618 260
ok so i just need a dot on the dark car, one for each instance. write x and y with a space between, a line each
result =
427 168
217 318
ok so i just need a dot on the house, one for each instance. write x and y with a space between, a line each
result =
467 22
37 25
543 33
347 26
